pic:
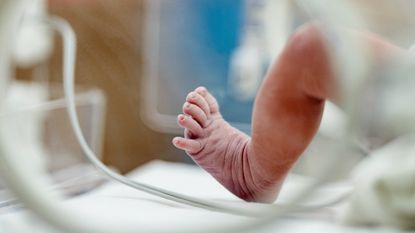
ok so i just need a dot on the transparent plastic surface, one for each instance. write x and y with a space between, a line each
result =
38 122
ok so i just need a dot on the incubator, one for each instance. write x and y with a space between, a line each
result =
226 46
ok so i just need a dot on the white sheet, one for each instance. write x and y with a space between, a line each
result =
123 205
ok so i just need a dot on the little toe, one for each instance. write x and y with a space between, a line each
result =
196 99
213 104
190 124
197 113
191 146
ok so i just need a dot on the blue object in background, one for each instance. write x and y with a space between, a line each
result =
197 40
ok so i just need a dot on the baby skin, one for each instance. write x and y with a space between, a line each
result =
286 116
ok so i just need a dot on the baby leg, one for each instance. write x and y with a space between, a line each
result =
289 107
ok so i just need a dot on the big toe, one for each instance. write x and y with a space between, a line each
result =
191 146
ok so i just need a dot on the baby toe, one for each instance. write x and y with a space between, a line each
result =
194 129
211 101
196 113
191 146
196 99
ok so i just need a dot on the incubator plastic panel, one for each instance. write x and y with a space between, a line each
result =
190 44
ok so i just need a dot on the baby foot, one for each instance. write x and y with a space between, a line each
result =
219 148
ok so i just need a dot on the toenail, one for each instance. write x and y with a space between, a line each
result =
201 89
181 117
